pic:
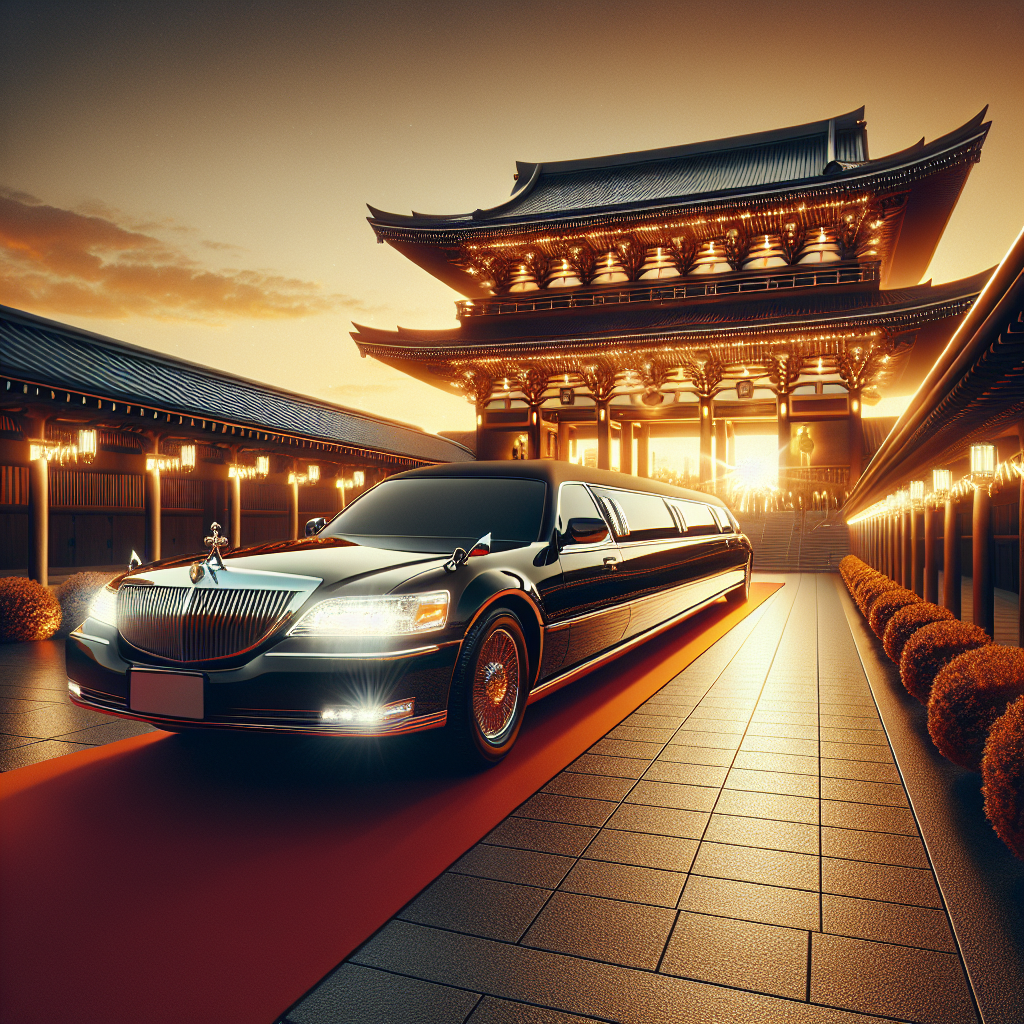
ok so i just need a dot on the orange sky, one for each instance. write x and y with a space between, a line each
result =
192 177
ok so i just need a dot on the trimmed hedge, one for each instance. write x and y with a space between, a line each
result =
933 647
886 605
28 611
75 595
968 695
870 590
907 621
1002 773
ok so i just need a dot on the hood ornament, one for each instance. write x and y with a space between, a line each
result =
196 572
134 562
215 542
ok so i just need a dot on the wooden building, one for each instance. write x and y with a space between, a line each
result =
945 491
762 284
106 448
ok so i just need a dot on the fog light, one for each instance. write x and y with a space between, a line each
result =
75 688
370 716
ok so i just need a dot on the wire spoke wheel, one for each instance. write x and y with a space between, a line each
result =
496 683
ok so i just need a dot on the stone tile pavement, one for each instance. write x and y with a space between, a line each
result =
37 719
740 848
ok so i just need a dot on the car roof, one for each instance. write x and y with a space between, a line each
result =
555 472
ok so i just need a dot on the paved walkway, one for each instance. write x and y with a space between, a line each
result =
740 848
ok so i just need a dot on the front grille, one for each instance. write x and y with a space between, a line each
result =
189 625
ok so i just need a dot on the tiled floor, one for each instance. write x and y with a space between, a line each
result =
741 848
37 720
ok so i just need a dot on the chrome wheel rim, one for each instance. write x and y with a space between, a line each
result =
496 684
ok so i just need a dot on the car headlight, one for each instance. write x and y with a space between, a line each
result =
104 606
374 616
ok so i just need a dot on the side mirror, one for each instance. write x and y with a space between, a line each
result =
315 525
587 531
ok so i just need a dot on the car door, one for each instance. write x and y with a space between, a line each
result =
584 608
717 556
656 557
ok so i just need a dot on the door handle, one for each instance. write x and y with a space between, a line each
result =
611 562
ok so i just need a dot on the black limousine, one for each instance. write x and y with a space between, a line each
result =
451 596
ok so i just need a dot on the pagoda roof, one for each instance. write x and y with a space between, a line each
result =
833 150
827 158
518 335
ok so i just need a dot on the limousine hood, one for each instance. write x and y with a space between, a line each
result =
331 559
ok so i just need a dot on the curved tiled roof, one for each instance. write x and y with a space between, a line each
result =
820 152
57 355
917 304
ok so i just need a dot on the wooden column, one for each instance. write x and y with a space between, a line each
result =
153 510
931 562
721 444
38 504
643 455
906 538
730 444
785 438
604 434
707 471
533 432
917 542
480 414
984 611
951 559
563 440
894 548
626 447
235 511
293 503
1020 549
856 438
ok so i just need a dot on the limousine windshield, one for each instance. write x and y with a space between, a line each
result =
437 514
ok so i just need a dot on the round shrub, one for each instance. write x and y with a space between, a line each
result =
907 621
933 647
1002 775
968 695
75 595
28 611
871 590
886 605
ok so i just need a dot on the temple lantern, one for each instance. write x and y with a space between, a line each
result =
711 259
765 251
659 263
609 269
562 274
821 246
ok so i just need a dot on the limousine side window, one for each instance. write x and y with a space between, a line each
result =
646 514
574 502
724 523
699 519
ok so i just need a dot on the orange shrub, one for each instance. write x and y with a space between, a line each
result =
871 590
886 605
968 695
28 611
75 595
1002 775
907 621
933 647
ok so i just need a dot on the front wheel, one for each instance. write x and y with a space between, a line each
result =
489 689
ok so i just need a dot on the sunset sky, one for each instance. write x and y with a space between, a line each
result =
191 177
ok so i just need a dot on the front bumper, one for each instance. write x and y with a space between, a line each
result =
282 689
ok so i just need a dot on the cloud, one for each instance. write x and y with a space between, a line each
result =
95 263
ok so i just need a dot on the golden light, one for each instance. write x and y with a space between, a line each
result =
313 474
983 460
262 465
942 481
359 478
188 457
916 490
87 445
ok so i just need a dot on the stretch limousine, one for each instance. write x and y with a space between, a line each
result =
451 596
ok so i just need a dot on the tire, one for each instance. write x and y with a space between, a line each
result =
740 595
489 690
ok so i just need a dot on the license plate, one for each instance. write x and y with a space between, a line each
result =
174 694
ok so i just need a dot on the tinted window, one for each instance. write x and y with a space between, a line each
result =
439 514
698 517
575 502
723 518
647 515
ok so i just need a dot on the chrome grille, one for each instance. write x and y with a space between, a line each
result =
190 625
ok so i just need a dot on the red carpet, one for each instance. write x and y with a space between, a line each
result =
160 880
